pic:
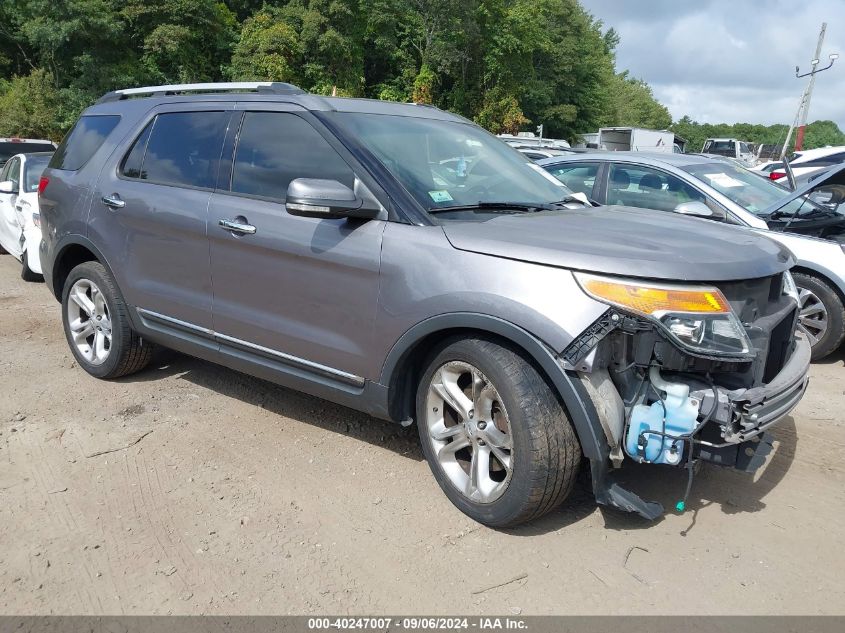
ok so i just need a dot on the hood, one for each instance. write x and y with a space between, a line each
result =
626 241
825 221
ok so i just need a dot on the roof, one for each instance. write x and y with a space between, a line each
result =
820 152
119 101
15 139
654 158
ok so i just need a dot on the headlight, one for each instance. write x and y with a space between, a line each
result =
789 288
697 317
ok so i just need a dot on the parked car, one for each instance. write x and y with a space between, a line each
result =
730 147
719 190
11 146
535 153
522 330
20 221
773 170
822 158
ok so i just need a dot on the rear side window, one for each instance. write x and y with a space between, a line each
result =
182 148
134 160
84 139
277 147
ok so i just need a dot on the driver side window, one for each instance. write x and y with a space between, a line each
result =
646 188
578 177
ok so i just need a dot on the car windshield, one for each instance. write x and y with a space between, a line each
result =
750 191
445 164
35 166
723 148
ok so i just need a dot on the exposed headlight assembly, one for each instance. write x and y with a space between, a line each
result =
696 317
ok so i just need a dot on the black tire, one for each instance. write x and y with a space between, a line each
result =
128 353
26 271
835 333
546 454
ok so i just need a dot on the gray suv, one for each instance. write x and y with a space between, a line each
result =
399 260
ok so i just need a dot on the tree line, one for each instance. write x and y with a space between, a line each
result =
507 64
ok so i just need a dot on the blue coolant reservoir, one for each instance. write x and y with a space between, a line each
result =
681 417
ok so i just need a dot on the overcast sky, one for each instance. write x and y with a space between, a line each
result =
730 60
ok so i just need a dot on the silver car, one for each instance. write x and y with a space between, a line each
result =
400 260
718 190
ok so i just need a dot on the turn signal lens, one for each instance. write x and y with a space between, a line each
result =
654 300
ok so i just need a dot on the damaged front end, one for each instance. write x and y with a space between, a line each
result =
680 374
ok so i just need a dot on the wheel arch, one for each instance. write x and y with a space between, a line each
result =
70 253
823 275
404 365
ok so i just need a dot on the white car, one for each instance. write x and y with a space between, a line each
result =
20 221
809 161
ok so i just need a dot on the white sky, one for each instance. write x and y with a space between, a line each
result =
729 61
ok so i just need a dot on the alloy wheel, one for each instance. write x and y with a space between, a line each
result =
89 321
812 315
470 431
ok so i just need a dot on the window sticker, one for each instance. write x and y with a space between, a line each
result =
723 180
440 195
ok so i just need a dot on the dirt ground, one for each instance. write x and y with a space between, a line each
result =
191 489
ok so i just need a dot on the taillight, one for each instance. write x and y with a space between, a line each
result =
776 175
42 184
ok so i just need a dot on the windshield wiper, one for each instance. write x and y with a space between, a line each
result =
527 207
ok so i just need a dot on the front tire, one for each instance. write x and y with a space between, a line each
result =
821 314
27 273
495 436
97 326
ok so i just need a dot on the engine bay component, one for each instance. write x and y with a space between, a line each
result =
657 433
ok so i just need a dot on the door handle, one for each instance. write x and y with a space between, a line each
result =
113 201
237 227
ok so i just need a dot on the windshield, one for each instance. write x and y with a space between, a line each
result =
723 148
446 164
752 192
35 166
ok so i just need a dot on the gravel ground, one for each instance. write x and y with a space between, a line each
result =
190 488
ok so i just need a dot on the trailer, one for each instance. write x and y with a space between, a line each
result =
634 139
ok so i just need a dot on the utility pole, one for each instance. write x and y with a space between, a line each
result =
794 124
808 93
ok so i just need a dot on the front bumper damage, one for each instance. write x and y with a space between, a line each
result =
730 422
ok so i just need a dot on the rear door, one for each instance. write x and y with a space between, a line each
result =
150 211
301 291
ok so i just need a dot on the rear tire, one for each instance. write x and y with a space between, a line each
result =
822 315
495 436
26 272
97 327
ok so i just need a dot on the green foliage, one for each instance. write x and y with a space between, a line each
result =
818 133
508 64
29 106
633 102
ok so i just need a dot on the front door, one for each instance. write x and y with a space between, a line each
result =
302 290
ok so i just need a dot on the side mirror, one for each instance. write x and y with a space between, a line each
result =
328 199
699 210
8 186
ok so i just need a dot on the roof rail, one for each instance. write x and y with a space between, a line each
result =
265 87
